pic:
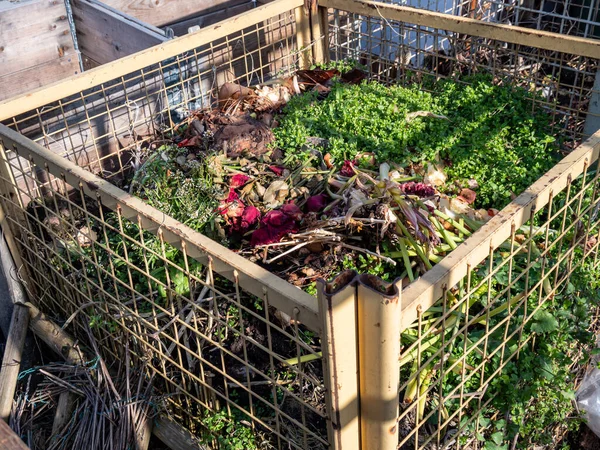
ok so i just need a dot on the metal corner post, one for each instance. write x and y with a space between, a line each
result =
337 308
379 310
303 40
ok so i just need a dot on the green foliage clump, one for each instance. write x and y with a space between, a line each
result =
228 433
491 134
187 195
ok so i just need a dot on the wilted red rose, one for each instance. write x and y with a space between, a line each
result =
277 170
238 180
347 169
249 217
276 224
232 196
292 210
316 203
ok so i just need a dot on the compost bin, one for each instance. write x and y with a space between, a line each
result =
455 358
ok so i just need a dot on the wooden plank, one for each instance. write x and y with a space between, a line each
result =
472 27
205 20
165 12
95 77
11 362
16 83
174 435
9 440
32 34
104 35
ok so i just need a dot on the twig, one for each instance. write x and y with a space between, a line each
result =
369 252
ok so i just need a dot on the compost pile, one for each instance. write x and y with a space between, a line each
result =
303 207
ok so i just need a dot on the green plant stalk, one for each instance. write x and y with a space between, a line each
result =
414 244
411 389
406 259
423 393
444 233
452 222
499 309
303 359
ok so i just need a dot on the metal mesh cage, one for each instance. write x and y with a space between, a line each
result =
216 331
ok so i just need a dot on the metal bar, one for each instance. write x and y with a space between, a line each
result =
303 36
252 277
107 72
337 300
379 307
472 27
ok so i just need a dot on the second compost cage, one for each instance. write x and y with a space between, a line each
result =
220 335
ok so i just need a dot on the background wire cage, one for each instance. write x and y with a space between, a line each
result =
214 330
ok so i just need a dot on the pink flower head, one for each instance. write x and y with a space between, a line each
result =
238 180
316 203
347 169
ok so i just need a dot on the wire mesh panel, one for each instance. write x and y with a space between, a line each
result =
488 333
395 51
106 127
481 338
214 351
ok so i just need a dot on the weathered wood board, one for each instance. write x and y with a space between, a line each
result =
105 35
165 12
204 20
36 46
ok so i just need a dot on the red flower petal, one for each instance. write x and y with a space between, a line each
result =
316 203
347 169
275 218
268 234
278 170
292 210
238 180
232 196
249 217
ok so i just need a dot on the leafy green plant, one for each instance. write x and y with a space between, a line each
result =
490 135
229 433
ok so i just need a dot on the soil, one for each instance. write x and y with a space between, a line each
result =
587 439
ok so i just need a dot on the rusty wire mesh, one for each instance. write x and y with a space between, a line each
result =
212 346
472 336
214 350
103 128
